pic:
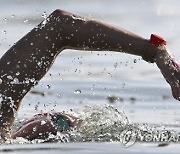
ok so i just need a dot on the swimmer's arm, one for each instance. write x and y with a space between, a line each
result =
28 60
170 69
36 129
88 34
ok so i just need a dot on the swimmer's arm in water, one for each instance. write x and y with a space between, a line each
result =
31 57
40 126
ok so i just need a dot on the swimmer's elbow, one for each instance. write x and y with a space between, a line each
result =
59 13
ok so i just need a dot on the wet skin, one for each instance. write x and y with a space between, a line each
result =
26 62
170 69
41 125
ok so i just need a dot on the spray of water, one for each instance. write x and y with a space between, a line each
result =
98 124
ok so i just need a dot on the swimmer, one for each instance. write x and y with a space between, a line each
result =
28 60
41 125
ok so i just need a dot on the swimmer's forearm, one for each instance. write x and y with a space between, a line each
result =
87 34
29 132
24 64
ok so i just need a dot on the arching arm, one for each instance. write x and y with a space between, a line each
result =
26 62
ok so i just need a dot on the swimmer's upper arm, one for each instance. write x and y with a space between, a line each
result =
36 129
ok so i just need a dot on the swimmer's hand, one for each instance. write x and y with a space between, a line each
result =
170 69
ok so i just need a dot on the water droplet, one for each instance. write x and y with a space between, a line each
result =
44 15
18 73
13 16
32 80
78 18
34 129
48 86
15 81
24 91
135 60
59 95
109 74
10 77
43 122
5 20
77 91
4 31
26 21
115 65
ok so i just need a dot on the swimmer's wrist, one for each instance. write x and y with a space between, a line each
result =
153 48
162 55
149 52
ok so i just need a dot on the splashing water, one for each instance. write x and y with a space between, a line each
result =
75 17
100 124
44 22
